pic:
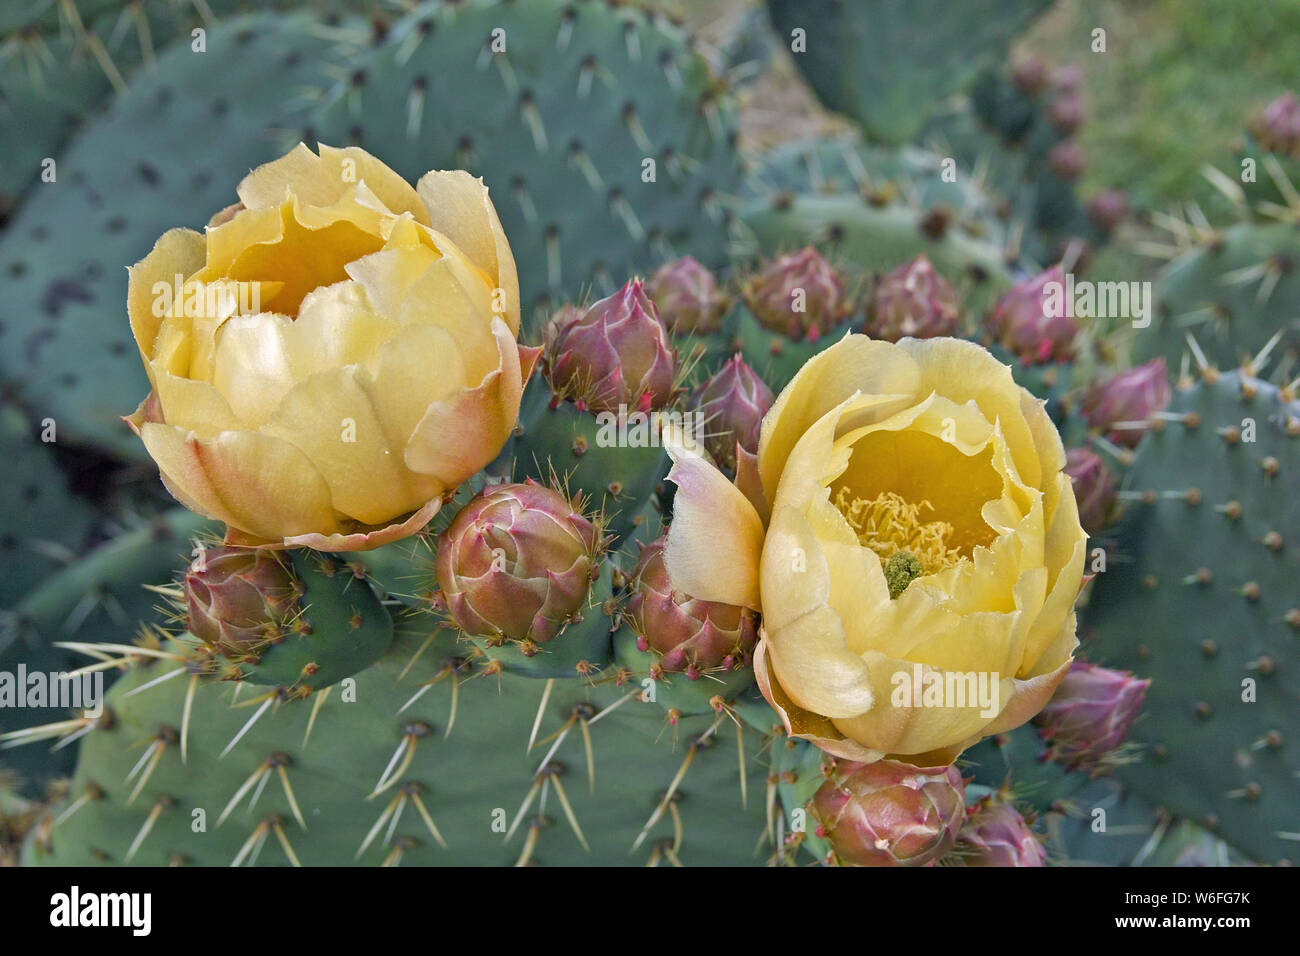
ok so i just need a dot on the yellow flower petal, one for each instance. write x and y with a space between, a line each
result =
804 724
259 358
400 386
193 405
321 180
811 659
716 536
460 434
330 417
917 729
963 371
225 478
302 258
460 208
389 275
178 252
451 296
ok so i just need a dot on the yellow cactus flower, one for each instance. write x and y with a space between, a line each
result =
913 544
334 355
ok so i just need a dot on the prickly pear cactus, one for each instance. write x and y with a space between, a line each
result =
1199 594
427 758
606 143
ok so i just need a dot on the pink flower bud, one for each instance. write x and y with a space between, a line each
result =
1030 75
889 813
1134 395
913 300
799 295
614 353
1066 112
688 297
996 834
1107 209
1067 79
516 563
1026 322
1277 126
1094 488
1065 159
734 402
691 635
1090 715
239 599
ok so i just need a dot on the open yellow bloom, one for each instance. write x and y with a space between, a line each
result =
920 534
335 354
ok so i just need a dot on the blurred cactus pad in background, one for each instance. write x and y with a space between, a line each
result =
700 199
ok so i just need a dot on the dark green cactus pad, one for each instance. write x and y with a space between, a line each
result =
558 105
1233 294
1200 595
40 106
101 596
41 520
1088 821
889 63
403 570
471 781
586 455
343 629
63 70
168 154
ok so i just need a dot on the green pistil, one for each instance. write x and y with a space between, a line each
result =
902 569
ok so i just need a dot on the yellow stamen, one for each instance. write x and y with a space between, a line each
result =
889 524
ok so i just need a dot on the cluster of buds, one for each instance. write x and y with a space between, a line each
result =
733 402
688 297
995 834
516 564
1024 323
1063 86
1277 125
890 814
1131 399
912 300
799 295
1095 488
689 635
1065 111
240 600
614 354
1089 716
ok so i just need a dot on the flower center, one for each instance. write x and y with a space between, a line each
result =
889 525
